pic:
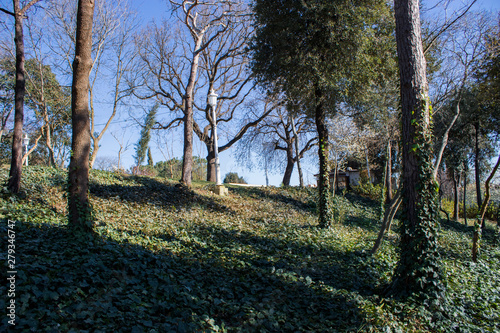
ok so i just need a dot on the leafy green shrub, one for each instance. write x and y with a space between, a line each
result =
472 209
367 189
232 177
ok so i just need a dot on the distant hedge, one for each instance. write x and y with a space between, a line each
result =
232 177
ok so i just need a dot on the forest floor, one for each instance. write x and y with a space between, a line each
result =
169 259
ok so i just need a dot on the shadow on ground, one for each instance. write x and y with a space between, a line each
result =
273 194
147 190
101 285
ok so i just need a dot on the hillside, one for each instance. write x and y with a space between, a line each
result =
168 259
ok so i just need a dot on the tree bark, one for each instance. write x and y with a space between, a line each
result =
444 139
465 193
297 152
417 270
14 183
388 173
486 200
290 162
211 164
324 181
455 195
187 159
476 166
368 165
79 207
388 217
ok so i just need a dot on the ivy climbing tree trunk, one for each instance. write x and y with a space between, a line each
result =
417 270
80 217
324 177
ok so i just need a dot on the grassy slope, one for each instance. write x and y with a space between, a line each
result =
168 259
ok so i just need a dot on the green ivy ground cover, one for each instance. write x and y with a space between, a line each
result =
168 259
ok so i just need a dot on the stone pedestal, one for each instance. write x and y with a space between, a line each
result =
221 190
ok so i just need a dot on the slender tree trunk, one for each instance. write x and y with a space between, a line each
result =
187 160
79 207
444 139
297 152
324 181
465 193
267 175
417 270
455 196
388 172
14 183
335 178
368 165
290 162
211 164
486 200
4 123
388 217
476 167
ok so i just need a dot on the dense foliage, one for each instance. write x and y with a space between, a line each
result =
319 54
142 145
187 260
232 177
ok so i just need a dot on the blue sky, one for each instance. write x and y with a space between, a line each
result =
149 10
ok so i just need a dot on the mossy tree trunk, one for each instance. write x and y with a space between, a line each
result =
417 270
324 181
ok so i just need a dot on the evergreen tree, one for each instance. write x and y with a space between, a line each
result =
320 54
150 158
142 145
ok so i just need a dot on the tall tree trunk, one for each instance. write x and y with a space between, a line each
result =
80 217
297 152
388 173
465 193
187 158
324 181
417 270
16 164
290 162
476 167
444 139
211 164
455 195
368 165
